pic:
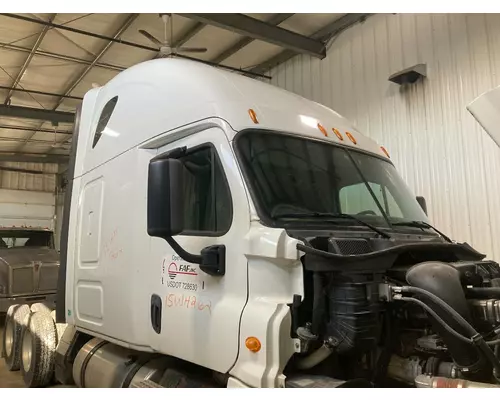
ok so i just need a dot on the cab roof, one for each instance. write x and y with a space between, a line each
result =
157 96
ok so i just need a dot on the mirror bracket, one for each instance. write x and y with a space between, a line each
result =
212 260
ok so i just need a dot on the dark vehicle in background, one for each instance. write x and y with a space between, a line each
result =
29 265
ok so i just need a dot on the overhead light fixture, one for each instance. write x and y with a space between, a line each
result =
409 75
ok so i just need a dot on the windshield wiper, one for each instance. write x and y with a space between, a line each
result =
421 225
330 216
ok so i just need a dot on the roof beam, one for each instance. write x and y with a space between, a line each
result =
339 25
123 42
130 19
79 31
39 92
26 171
256 29
31 129
194 30
61 57
55 117
126 24
275 20
324 34
33 141
27 62
35 158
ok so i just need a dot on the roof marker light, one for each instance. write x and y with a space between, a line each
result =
351 138
322 129
253 116
385 151
339 135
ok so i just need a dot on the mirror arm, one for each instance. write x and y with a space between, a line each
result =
192 258
212 260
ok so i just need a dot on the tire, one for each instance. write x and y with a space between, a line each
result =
60 328
11 341
40 307
38 350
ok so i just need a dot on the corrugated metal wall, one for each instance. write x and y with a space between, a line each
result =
436 144
26 187
15 180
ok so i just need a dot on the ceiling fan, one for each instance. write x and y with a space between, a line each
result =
165 47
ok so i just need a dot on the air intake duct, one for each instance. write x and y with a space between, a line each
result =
443 280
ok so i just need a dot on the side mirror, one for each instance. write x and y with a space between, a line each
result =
165 213
422 202
165 197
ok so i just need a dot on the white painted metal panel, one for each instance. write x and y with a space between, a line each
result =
438 147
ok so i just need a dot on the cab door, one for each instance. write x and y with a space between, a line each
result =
197 315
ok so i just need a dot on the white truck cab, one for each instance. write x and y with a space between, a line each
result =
221 229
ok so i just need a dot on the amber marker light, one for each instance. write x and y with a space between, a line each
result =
351 138
339 135
253 344
253 116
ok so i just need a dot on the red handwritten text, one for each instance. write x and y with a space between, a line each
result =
189 302
109 248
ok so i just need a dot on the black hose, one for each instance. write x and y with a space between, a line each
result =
476 338
438 319
443 281
318 310
454 314
484 291
495 342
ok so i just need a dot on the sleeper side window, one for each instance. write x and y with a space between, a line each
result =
206 193
106 113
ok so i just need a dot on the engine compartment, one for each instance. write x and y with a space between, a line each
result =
397 313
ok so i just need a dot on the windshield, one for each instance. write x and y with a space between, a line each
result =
294 176
22 238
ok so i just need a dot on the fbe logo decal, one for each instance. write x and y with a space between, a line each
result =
181 269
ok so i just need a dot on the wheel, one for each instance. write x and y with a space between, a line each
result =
11 342
40 307
38 349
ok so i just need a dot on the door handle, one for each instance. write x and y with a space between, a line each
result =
156 313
